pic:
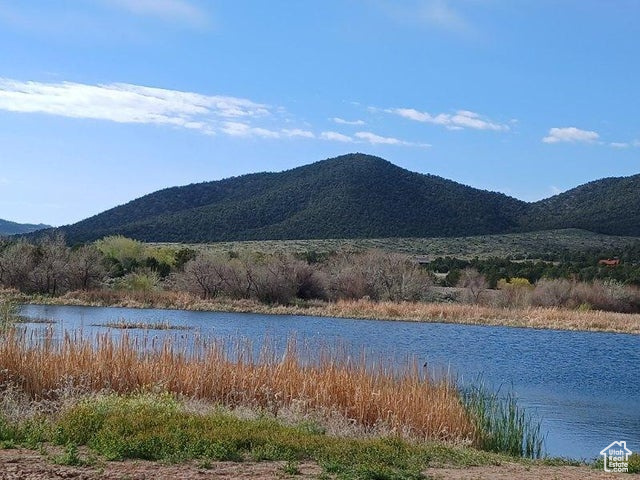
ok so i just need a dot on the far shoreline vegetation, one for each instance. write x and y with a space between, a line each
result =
534 317
570 290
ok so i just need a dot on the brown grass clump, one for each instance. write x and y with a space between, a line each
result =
370 394
473 314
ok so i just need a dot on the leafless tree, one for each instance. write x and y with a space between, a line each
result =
52 260
204 276
474 284
17 261
377 275
85 269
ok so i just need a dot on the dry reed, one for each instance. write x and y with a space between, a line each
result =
371 394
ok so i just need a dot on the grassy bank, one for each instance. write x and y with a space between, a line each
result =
210 401
161 428
136 399
529 317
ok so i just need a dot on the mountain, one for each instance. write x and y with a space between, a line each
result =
357 196
609 205
351 196
13 228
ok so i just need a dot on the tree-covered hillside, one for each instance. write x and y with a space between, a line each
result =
610 205
357 196
13 228
352 196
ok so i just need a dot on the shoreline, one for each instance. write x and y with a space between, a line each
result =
465 314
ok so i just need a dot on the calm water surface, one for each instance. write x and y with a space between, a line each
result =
583 386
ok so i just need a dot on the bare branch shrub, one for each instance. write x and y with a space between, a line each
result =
552 293
379 276
85 270
474 285
515 292
17 261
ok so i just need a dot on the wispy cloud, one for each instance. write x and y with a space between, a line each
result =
571 134
440 13
619 145
435 14
457 121
136 104
336 137
240 129
342 121
169 10
623 145
375 139
126 103
297 132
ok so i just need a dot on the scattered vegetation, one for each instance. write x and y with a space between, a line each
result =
127 325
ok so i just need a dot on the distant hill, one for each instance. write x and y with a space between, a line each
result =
13 228
356 196
610 206
352 196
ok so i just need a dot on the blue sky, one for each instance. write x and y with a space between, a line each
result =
102 101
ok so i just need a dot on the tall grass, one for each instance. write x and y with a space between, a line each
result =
8 312
502 425
371 394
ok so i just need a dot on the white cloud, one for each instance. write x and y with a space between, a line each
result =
126 103
297 132
136 104
570 134
336 137
342 121
460 120
172 10
439 14
375 139
239 129
619 145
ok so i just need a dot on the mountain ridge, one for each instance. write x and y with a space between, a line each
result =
8 227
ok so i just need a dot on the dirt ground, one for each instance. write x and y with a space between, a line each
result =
29 465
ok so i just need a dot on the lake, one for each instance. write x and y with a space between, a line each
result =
584 387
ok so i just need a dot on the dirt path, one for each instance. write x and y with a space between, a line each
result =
522 472
19 464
